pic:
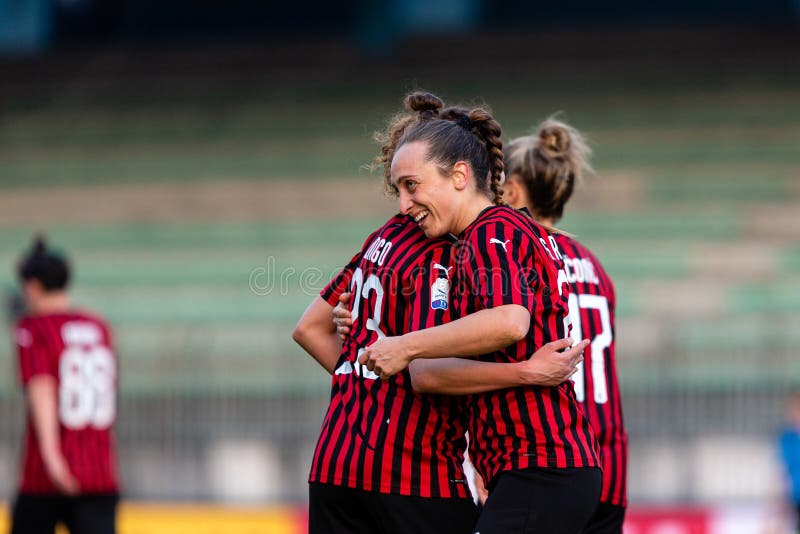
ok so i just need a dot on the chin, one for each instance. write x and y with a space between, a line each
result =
433 233
432 229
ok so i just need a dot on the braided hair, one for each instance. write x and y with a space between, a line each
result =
452 134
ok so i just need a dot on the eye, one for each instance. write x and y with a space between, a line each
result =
411 185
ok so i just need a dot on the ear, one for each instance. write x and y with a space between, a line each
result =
32 289
510 192
460 175
513 194
32 284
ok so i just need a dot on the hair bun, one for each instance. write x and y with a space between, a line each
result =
39 244
554 139
421 102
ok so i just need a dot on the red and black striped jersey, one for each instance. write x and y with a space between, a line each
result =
75 349
505 258
591 304
380 435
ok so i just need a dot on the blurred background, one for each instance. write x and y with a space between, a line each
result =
205 167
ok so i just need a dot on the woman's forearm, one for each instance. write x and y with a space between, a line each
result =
43 405
459 376
549 366
316 333
479 333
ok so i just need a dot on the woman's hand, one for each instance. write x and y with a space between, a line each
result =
342 317
549 366
386 357
58 472
480 489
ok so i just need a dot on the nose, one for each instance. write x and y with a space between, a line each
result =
404 203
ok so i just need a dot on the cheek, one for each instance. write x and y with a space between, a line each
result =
439 206
433 199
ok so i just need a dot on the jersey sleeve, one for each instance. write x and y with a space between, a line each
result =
429 291
32 354
341 282
497 263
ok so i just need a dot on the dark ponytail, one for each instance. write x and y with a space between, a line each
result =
44 265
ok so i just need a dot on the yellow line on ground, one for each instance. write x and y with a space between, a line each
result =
154 518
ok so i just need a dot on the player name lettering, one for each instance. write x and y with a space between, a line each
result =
551 246
580 270
378 250
80 333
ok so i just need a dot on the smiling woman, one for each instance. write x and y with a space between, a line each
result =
532 444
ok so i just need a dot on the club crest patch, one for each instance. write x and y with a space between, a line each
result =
440 294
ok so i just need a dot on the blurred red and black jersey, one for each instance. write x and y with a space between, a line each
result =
75 349
504 258
382 435
591 304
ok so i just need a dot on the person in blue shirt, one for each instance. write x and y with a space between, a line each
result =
790 453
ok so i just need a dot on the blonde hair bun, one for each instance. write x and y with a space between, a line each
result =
555 138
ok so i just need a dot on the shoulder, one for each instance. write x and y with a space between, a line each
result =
394 223
88 316
411 246
399 230
26 321
401 246
495 245
504 227
572 248
517 224
32 325
398 224
85 325
496 221
505 215
24 330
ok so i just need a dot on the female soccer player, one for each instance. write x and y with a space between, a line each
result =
542 170
533 445
69 373
388 458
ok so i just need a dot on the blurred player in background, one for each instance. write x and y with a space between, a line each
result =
69 373
388 458
789 445
532 444
542 170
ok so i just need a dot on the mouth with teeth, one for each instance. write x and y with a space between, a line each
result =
419 217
